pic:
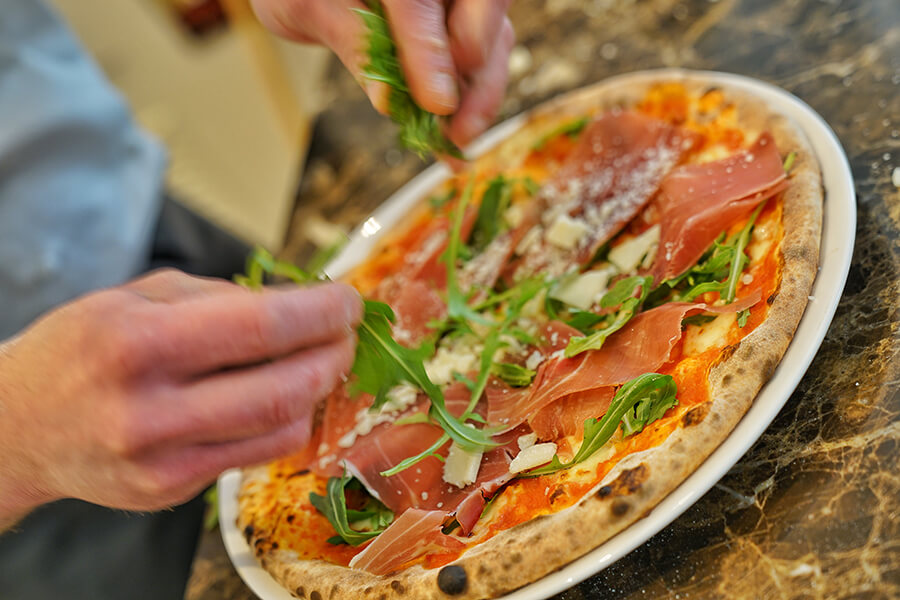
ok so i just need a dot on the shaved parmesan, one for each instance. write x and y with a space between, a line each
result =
629 254
527 440
566 232
533 456
582 291
461 467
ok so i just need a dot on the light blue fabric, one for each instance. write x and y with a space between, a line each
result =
79 181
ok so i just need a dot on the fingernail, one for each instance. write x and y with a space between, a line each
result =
443 86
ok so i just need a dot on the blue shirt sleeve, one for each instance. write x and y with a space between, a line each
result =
80 183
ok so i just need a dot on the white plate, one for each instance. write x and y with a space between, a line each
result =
837 247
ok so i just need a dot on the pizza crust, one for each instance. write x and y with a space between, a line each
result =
525 553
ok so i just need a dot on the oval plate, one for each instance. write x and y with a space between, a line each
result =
838 232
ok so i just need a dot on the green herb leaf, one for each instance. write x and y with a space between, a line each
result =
513 374
652 393
420 130
742 317
334 507
381 363
623 295
698 320
569 128
651 407
789 161
261 263
490 212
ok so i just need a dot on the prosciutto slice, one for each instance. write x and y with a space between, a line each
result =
698 202
642 346
617 167
422 486
412 534
566 416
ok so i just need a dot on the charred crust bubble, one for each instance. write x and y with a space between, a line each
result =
696 414
398 587
248 532
300 592
620 507
627 483
315 595
452 580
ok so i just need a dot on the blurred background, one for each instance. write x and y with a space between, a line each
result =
232 103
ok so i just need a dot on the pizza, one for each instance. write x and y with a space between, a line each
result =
554 340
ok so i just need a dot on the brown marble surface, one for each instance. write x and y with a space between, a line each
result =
813 509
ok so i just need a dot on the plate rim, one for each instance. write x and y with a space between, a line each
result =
836 249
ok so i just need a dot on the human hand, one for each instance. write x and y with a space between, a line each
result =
137 397
454 52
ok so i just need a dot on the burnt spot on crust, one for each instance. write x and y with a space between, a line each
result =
452 580
300 592
771 299
315 595
620 507
398 587
699 412
628 482
290 518
248 533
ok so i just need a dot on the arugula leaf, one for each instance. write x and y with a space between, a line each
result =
743 317
334 507
698 320
438 201
381 363
261 263
622 295
719 271
513 374
459 313
570 128
637 404
789 161
650 408
490 212
420 130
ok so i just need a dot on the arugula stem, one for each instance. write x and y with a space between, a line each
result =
412 460
737 261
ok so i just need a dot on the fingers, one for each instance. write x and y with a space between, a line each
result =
169 285
213 332
474 27
419 29
242 403
177 474
484 94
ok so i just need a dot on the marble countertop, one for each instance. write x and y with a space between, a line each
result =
813 509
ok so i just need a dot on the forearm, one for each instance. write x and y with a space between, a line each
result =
19 491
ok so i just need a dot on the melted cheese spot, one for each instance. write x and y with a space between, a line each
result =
699 339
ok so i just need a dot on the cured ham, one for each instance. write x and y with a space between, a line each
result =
617 167
641 346
422 486
698 202
566 415
414 291
412 534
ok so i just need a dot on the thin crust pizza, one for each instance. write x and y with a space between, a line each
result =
554 340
